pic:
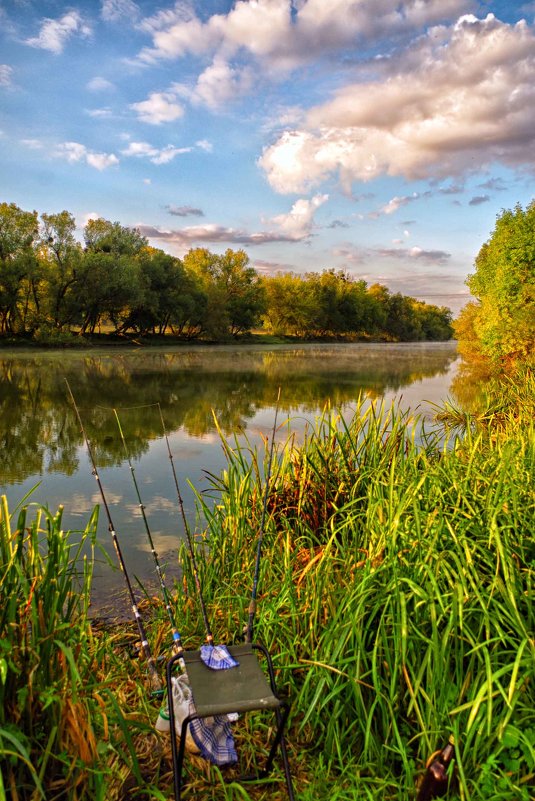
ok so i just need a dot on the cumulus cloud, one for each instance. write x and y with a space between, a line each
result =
156 155
118 10
6 73
55 33
218 85
75 152
461 98
158 108
284 34
299 221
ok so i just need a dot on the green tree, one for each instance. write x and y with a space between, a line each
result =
402 321
235 296
503 322
61 256
103 236
434 321
18 267
291 307
166 294
242 289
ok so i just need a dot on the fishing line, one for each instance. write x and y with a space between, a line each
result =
191 550
177 641
254 591
153 673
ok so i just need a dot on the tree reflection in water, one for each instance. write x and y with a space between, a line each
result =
39 432
40 439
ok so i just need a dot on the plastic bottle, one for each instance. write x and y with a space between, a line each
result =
436 781
162 722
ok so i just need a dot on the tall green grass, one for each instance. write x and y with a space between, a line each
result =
396 594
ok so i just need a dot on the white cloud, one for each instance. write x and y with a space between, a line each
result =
298 223
100 113
90 215
205 145
156 155
75 152
397 202
98 84
159 107
6 73
461 98
117 10
33 144
101 161
219 84
269 31
195 234
54 33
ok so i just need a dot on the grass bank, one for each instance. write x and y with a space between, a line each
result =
396 595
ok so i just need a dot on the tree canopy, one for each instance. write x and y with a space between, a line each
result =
499 329
54 286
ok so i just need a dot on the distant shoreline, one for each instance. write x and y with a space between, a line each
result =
120 342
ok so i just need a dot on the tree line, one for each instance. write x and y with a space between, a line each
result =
53 286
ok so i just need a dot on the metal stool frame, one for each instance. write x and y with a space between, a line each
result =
264 697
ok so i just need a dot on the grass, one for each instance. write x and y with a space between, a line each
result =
396 596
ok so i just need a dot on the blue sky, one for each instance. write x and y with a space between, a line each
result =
381 137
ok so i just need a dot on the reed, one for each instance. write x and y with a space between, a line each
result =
47 712
396 594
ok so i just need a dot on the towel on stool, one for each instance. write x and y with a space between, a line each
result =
218 657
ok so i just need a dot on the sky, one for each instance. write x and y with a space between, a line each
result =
378 137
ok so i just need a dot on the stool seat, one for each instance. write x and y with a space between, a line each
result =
239 689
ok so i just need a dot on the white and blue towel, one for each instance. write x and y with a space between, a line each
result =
213 737
218 657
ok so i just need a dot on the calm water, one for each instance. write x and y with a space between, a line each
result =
41 445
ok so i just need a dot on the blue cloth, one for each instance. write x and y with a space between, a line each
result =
213 737
217 657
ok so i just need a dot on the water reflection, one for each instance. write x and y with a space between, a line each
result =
39 432
40 439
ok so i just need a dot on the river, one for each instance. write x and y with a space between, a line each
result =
42 449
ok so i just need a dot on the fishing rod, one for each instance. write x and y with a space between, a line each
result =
189 539
252 604
177 640
153 673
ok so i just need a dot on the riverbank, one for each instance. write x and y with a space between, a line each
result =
396 596
62 341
